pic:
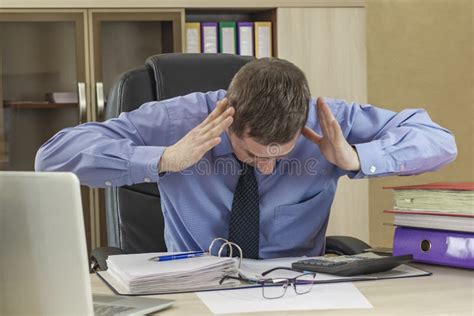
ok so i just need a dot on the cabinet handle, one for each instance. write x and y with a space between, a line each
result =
81 88
99 88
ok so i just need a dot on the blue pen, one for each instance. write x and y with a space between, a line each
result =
178 256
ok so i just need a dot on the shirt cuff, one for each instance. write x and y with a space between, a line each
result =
144 163
373 161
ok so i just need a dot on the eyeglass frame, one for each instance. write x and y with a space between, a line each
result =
283 282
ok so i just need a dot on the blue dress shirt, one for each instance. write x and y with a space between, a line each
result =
295 200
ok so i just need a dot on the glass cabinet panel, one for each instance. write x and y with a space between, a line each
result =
42 63
124 40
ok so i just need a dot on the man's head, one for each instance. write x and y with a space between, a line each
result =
270 97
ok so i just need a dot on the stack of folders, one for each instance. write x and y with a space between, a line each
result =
136 274
243 38
435 223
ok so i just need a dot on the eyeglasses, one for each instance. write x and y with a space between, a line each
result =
275 287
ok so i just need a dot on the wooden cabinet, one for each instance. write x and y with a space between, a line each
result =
78 51
56 49
123 39
40 52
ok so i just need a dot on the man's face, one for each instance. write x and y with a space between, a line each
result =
262 157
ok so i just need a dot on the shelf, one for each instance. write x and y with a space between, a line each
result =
148 4
37 105
242 15
268 14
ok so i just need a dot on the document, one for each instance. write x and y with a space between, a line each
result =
322 296
136 274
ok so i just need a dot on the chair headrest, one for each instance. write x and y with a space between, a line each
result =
179 74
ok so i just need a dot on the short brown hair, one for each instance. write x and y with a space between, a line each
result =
271 98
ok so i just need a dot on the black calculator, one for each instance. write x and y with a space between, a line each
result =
351 265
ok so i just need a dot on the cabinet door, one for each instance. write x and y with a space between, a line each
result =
124 39
121 40
42 70
329 45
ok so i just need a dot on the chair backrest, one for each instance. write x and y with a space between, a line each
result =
134 218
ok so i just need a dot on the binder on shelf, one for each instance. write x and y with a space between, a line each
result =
440 197
433 220
227 38
209 37
455 186
441 247
193 37
263 39
245 38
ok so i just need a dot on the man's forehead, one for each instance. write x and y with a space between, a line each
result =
271 150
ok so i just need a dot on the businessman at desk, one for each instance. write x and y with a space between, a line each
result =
258 163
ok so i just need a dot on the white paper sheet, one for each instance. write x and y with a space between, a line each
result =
322 296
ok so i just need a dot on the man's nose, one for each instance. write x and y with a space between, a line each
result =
266 167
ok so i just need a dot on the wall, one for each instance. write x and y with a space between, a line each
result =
312 38
420 54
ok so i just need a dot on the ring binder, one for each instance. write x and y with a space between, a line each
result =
229 244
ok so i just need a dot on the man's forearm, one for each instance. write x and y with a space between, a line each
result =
415 145
99 160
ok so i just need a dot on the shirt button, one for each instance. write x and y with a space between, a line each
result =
147 179
372 169
108 183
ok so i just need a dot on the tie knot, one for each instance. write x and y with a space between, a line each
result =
246 168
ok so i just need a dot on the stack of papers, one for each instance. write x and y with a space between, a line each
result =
136 274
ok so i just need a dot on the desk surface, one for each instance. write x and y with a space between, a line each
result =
448 291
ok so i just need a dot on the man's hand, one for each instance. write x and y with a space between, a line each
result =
332 143
192 147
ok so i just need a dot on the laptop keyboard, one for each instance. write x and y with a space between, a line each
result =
110 310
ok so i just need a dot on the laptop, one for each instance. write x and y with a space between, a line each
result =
43 261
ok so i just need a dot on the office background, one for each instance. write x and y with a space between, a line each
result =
420 54
391 53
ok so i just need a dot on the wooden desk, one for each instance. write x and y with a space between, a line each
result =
448 291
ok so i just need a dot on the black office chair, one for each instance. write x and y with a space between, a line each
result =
135 222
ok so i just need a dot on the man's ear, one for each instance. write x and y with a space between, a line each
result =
229 102
229 106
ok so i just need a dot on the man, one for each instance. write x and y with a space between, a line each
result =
258 163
